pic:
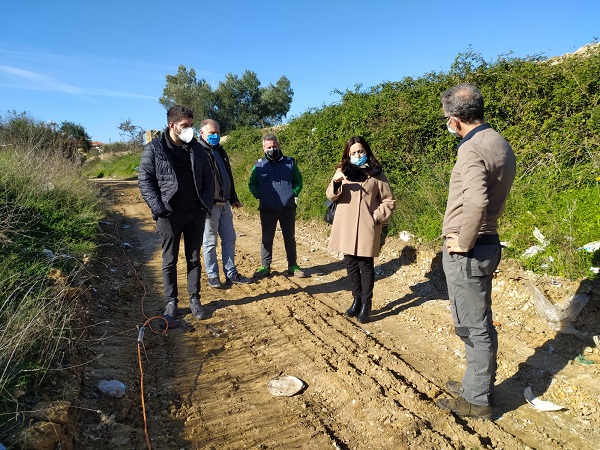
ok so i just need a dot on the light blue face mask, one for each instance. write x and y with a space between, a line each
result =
213 139
359 161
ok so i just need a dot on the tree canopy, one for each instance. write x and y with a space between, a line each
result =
237 102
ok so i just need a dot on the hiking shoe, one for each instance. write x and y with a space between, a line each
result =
197 310
263 271
215 283
463 408
236 278
296 271
454 387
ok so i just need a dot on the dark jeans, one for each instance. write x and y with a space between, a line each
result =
268 224
190 224
361 272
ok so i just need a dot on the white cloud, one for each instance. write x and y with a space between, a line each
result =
13 77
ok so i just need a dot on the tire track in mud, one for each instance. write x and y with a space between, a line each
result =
371 386
399 401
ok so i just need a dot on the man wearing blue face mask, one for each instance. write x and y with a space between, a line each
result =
220 221
276 182
176 182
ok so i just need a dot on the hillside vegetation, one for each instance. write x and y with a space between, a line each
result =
548 110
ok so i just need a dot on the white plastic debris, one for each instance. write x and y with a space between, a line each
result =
406 236
539 236
535 249
112 388
126 245
595 269
48 253
560 315
591 246
540 405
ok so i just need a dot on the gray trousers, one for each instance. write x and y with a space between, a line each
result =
469 277
268 224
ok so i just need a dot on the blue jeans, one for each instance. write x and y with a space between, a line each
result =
469 277
219 223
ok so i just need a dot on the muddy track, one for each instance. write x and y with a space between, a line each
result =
370 386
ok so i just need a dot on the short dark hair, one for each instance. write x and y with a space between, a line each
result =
465 102
178 112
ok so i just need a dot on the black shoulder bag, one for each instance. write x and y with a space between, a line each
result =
330 212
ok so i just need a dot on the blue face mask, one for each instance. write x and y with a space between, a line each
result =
359 161
213 139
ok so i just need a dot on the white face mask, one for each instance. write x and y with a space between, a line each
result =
186 135
452 132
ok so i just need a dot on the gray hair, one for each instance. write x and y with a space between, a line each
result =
270 137
465 102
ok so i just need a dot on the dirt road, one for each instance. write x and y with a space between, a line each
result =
369 386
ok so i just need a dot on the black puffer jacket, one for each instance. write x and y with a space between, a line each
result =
157 180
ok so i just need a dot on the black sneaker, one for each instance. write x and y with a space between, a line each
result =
262 271
170 315
463 408
236 278
197 310
215 283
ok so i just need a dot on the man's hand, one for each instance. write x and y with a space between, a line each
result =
452 244
237 204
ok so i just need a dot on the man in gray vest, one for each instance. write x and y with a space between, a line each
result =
220 220
479 186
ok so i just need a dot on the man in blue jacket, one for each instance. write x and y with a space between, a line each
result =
177 183
276 182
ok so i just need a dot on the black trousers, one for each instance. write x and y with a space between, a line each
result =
190 225
361 272
268 224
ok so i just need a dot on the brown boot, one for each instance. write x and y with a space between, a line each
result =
463 408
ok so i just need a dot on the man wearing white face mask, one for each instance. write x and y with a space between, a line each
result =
479 185
176 182
220 221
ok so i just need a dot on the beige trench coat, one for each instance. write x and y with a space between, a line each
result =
362 209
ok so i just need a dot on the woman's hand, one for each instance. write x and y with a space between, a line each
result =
338 176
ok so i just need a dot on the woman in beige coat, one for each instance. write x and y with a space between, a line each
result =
364 203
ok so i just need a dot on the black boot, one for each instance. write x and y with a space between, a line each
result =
354 309
365 312
197 310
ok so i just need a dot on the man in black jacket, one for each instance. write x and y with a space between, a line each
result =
220 221
176 182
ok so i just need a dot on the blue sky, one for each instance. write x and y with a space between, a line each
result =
98 63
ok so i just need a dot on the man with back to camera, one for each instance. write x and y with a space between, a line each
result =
276 182
176 182
479 186
220 221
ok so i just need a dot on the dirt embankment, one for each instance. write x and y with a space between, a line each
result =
369 386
